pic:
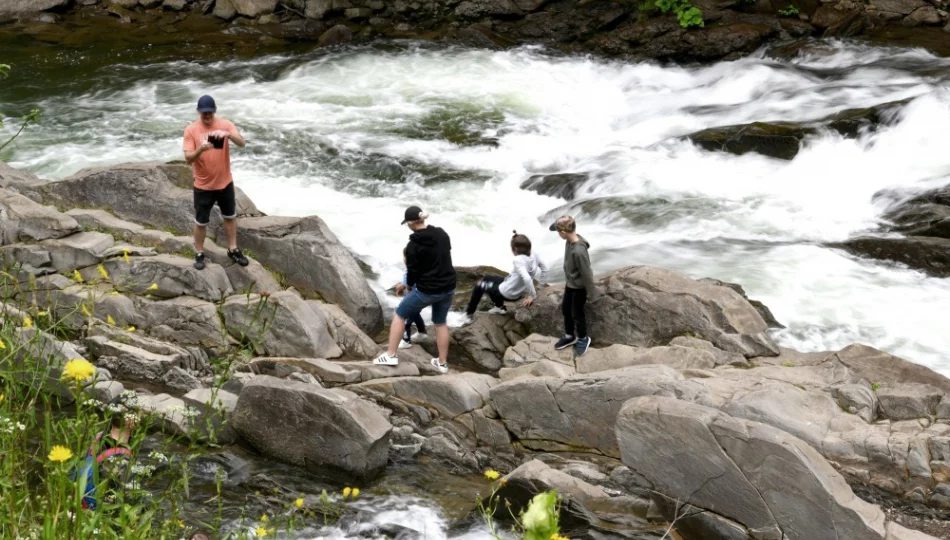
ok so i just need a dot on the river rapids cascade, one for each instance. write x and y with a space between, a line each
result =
493 141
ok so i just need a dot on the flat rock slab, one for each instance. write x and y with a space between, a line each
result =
282 324
756 475
22 220
308 426
369 372
168 276
324 370
78 250
450 395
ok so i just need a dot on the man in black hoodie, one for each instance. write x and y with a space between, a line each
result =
431 276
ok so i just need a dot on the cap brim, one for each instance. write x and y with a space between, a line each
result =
404 222
553 226
206 109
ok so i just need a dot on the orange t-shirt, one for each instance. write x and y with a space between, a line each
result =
212 169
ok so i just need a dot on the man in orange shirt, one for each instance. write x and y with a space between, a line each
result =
207 149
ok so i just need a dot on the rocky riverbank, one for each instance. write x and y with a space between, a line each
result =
687 411
613 28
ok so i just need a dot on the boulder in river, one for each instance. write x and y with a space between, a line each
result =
768 481
308 426
646 306
931 255
564 185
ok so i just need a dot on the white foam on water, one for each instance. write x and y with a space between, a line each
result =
314 121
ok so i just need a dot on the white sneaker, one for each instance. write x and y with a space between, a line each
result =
418 337
386 360
443 368
495 310
403 344
465 320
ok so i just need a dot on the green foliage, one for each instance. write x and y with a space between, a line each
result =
539 521
875 387
687 14
32 116
789 11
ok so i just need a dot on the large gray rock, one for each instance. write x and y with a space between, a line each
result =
311 258
30 6
78 250
347 334
122 188
621 356
282 324
215 407
484 343
254 8
475 9
325 370
131 363
878 367
184 320
168 276
541 368
645 306
22 220
449 395
536 348
307 426
909 401
761 477
858 399
579 413
77 306
370 372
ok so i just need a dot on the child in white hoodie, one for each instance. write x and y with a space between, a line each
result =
519 283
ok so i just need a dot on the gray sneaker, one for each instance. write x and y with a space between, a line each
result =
581 346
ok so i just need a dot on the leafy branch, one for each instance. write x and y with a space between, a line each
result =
33 115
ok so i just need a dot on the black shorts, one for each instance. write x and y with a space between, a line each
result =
205 201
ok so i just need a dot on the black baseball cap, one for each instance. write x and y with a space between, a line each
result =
563 223
413 213
206 104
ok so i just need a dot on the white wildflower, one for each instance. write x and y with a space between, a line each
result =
158 456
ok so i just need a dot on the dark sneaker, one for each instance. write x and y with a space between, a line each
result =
564 342
581 346
199 261
238 257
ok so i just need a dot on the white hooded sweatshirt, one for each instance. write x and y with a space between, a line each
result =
526 269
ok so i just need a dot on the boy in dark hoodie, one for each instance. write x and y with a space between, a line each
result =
431 277
579 286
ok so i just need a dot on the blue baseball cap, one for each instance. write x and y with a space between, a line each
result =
206 104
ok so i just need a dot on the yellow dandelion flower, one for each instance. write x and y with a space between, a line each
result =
103 272
557 536
85 310
181 524
153 287
125 255
261 532
356 492
492 474
2 345
42 314
301 500
346 492
114 293
78 369
264 518
27 322
60 454
130 329
298 503
77 277
110 320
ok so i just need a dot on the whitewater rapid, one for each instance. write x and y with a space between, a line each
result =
356 135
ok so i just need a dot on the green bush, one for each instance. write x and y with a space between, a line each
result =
789 11
687 14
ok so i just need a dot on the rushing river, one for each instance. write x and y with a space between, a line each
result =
355 135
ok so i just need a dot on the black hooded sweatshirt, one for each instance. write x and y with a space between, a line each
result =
429 261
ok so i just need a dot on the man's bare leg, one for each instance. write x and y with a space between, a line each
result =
230 229
441 341
395 334
199 238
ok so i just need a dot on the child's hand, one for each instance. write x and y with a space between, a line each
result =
400 289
